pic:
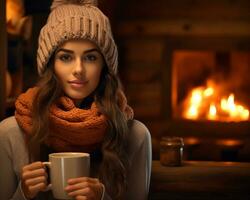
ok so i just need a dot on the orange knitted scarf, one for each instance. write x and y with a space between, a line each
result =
71 128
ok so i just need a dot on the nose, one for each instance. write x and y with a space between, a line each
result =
79 67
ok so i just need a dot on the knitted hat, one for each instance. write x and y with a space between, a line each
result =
76 19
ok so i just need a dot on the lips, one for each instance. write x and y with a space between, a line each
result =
77 83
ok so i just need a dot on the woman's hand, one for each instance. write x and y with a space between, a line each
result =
85 188
33 179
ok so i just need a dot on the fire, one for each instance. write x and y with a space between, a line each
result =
205 102
212 112
234 110
208 92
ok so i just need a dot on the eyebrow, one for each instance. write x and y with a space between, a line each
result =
70 51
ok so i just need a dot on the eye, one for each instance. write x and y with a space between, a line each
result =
90 57
65 57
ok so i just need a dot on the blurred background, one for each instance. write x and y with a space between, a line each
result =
184 65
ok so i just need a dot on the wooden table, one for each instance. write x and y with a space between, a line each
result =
201 180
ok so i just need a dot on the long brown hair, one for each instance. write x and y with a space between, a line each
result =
114 166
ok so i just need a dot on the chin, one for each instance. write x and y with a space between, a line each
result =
77 96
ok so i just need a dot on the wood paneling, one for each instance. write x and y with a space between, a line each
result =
184 27
205 9
142 75
142 72
149 32
147 110
137 50
145 99
147 92
3 58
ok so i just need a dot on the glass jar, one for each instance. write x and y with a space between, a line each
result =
171 151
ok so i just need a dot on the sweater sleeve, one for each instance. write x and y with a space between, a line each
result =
9 186
140 171
140 154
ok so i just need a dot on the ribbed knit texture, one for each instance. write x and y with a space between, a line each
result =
76 19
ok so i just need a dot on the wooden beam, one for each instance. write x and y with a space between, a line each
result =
205 9
3 57
184 27
208 129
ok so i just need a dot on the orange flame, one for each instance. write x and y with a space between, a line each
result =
212 112
202 102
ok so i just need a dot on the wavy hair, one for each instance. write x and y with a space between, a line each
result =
114 165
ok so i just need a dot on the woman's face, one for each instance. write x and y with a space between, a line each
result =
78 66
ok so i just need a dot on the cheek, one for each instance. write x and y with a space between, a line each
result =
56 70
60 72
96 76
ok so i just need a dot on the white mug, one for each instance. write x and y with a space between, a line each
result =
64 166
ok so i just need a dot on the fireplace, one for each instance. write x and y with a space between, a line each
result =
212 85
208 96
168 49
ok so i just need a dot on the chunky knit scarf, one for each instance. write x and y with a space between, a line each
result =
71 128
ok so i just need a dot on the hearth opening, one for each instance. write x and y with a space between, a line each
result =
210 101
211 85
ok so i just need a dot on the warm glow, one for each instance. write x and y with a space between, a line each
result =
223 104
196 97
245 114
191 141
208 92
14 11
229 143
231 104
192 112
212 112
204 102
15 16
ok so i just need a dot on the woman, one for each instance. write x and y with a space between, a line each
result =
78 105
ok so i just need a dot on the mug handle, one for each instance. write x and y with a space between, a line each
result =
49 187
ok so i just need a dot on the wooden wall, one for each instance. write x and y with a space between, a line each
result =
3 58
147 33
205 9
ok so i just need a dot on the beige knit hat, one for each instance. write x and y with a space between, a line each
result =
76 19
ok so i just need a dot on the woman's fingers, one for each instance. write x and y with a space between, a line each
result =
84 187
32 166
34 173
81 198
34 189
82 179
34 179
33 170
85 192
77 186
